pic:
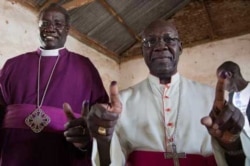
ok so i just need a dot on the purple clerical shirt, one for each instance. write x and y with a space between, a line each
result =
74 80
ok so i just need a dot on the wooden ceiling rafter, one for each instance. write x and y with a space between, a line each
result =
75 4
133 52
119 19
93 44
46 4
174 9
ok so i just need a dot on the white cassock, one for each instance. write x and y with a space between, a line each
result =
152 113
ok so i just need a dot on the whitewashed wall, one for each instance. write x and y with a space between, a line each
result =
198 63
19 34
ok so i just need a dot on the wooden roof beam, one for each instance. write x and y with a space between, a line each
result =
46 4
93 44
75 4
175 9
119 19
49 2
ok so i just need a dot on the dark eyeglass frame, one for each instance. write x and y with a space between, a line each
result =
47 24
152 40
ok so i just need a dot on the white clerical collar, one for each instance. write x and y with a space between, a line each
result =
54 52
156 80
159 89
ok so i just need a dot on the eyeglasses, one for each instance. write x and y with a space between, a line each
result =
47 24
152 41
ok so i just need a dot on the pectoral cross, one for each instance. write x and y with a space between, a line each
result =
174 155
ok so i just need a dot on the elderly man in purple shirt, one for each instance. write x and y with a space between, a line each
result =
34 87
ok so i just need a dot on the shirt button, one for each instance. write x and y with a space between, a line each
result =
170 124
168 109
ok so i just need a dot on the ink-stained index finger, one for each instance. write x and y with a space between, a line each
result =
219 100
85 108
114 98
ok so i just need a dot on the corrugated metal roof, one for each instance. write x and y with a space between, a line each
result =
113 27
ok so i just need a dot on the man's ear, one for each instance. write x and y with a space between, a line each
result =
67 28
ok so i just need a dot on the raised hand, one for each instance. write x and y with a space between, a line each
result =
76 130
103 117
225 121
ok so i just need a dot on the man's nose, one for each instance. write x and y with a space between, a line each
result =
50 27
161 45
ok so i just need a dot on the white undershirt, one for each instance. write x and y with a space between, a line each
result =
241 100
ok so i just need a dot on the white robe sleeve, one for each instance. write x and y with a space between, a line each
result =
219 152
95 155
245 140
116 155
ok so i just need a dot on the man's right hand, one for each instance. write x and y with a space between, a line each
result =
102 118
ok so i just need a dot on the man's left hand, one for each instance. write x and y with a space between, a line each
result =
76 128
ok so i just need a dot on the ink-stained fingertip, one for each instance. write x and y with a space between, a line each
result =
113 83
223 74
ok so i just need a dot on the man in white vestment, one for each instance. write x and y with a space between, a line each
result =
160 121
239 95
